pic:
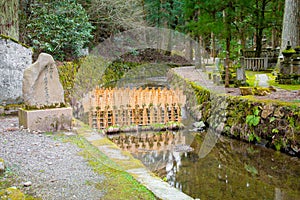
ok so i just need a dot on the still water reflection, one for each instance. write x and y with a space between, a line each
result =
232 170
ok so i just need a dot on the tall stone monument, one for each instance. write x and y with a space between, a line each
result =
41 85
44 97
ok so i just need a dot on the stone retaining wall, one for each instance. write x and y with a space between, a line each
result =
14 58
271 123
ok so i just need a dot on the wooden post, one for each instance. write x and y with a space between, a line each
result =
145 116
140 107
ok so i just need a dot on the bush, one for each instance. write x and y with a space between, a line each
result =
61 28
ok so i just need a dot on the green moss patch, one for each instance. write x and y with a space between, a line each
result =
272 81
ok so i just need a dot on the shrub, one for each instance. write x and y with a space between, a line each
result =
61 28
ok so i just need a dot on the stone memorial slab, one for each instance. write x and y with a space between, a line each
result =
44 98
261 80
240 74
217 65
41 85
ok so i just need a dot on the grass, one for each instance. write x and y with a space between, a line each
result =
251 81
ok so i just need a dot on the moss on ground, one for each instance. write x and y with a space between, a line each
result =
117 183
251 81
13 193
7 192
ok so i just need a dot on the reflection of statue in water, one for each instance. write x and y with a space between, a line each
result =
173 165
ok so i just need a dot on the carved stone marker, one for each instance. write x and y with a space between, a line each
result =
41 85
44 98
261 80
240 74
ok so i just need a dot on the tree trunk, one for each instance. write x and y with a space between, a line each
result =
227 62
260 17
170 43
259 37
243 39
9 21
273 38
291 24
191 50
228 19
199 54
213 50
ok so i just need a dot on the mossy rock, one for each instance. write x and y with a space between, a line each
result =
246 91
14 40
261 91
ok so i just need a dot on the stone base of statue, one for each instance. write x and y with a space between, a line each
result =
45 120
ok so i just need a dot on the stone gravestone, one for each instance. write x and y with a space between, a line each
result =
261 80
41 85
217 65
14 58
240 75
44 98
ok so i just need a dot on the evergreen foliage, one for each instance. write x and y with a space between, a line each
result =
61 28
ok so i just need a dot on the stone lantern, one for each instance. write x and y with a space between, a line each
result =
290 66
296 62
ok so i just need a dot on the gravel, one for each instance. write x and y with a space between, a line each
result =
45 167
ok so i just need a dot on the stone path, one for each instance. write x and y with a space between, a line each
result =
201 78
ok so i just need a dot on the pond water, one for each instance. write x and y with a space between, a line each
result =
232 170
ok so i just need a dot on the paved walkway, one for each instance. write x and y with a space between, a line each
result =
201 78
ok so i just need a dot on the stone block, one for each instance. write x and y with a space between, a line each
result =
54 119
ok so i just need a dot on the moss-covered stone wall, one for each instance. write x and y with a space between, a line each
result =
272 123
